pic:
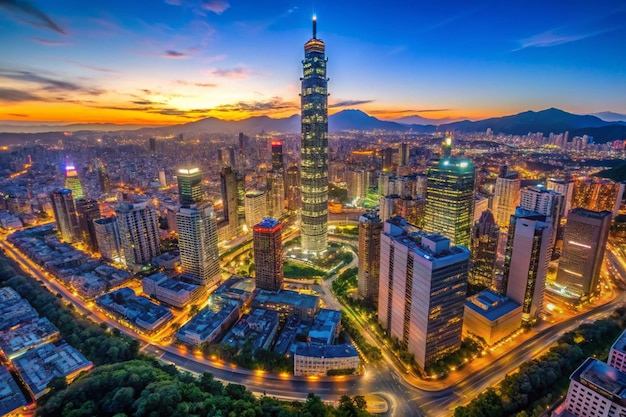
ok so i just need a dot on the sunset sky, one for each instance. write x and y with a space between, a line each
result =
173 61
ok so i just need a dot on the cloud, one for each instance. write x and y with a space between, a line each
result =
207 85
215 6
346 103
91 67
555 37
49 84
234 73
18 114
9 95
25 7
174 54
49 42
275 103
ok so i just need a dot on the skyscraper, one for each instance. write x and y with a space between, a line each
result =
546 202
152 143
528 251
565 187
87 211
108 238
292 188
385 158
189 185
598 194
255 207
197 241
104 180
228 179
139 233
370 228
584 241
72 182
405 152
485 236
278 163
450 199
275 194
268 254
65 215
423 282
507 196
314 149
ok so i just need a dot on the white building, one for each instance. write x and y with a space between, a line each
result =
139 233
255 207
319 359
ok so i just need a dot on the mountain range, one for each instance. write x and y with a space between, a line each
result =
546 121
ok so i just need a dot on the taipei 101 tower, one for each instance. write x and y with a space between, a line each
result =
314 150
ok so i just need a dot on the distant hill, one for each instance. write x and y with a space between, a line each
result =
358 120
416 119
12 127
609 116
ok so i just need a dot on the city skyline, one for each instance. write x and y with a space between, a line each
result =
179 61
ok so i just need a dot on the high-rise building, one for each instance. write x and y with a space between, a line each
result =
507 196
255 207
139 233
358 184
388 206
485 237
189 185
65 215
422 288
108 238
152 144
405 152
565 187
104 180
584 241
370 229
546 202
275 194
72 182
528 252
268 254
314 149
385 158
228 179
597 194
293 189
450 199
197 241
278 163
162 178
87 211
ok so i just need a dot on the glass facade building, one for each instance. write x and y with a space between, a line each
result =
189 185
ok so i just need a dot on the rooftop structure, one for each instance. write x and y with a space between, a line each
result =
13 309
11 398
319 359
235 288
171 291
259 325
326 326
491 316
14 342
288 302
210 324
138 311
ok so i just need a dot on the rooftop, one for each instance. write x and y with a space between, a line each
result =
620 343
29 335
268 223
603 379
491 305
11 398
287 297
319 350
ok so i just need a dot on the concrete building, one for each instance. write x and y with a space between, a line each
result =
507 196
172 292
139 233
288 303
423 282
210 324
139 312
528 251
584 242
14 309
17 340
268 255
87 211
293 188
320 359
370 229
255 207
491 316
11 397
597 194
325 327
617 354
357 181
65 215
259 326
228 180
108 239
565 187
275 194
546 202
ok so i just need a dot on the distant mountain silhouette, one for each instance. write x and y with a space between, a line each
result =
358 120
609 116
416 119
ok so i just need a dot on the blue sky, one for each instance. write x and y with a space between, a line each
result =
179 60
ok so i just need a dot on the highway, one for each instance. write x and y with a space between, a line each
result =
407 396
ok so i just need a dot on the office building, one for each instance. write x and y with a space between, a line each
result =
528 251
152 145
597 194
72 182
314 149
405 152
450 199
385 159
275 194
255 207
108 239
228 180
189 185
293 188
547 202
268 254
491 316
197 241
319 359
507 196
87 211
423 282
65 215
103 180
139 233
565 187
370 229
584 242
278 163
485 237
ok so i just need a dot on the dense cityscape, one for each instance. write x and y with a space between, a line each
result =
329 263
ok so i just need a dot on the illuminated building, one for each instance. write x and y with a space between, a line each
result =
65 215
228 180
139 233
528 251
197 241
108 239
549 203
565 187
485 236
87 211
370 228
507 196
450 199
416 270
385 158
278 163
255 207
189 185
597 194
358 184
268 254
405 152
293 189
72 182
314 149
584 241
275 193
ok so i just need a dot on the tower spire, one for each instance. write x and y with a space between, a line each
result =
314 27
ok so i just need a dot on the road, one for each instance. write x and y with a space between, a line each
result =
406 395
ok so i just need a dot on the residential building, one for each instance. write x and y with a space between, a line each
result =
65 215
228 179
597 194
172 292
565 187
370 229
87 211
268 254
108 238
507 196
255 207
210 324
139 233
321 359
